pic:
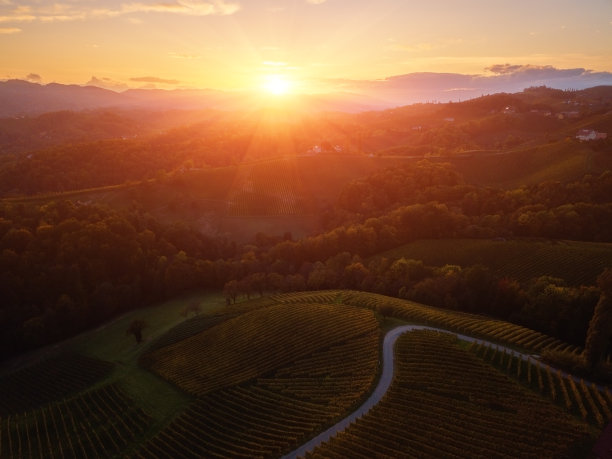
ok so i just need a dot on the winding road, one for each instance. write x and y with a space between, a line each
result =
386 378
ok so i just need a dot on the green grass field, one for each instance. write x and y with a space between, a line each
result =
578 263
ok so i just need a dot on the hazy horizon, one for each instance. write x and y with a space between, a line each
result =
305 46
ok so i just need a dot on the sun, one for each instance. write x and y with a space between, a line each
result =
277 85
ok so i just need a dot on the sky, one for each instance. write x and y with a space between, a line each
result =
312 45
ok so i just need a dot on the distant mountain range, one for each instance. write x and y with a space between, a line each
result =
19 98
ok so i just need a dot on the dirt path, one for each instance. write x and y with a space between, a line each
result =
386 378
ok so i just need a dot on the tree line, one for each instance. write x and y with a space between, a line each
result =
66 267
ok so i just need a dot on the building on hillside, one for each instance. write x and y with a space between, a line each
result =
590 134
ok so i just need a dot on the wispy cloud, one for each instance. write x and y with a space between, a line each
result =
34 77
9 30
107 83
315 2
150 79
18 14
188 7
427 86
61 12
536 72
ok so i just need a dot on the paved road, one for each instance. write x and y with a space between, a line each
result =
386 378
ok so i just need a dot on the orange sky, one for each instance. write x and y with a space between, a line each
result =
238 44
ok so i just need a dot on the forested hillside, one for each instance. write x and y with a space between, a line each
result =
148 218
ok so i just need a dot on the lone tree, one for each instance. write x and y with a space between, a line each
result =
136 328
600 326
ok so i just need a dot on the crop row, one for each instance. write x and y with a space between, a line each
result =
98 423
446 402
575 395
257 342
186 329
269 189
460 322
324 296
49 380
274 414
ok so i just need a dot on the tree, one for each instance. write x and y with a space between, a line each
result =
230 289
136 328
600 325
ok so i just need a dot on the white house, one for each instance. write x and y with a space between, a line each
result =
590 134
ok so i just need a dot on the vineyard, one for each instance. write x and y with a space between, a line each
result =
260 378
184 330
469 324
576 396
256 342
445 402
267 189
277 412
49 380
578 263
99 423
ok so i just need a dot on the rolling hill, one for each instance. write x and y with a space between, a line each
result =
272 373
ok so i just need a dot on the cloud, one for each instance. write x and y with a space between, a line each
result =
503 69
34 78
534 71
315 2
150 79
443 87
107 83
188 7
9 30
61 12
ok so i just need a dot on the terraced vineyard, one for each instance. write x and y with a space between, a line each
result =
277 412
255 343
49 380
469 324
577 397
265 376
267 189
445 402
99 423
185 330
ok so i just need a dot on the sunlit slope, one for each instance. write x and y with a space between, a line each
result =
574 261
565 160
256 342
268 188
